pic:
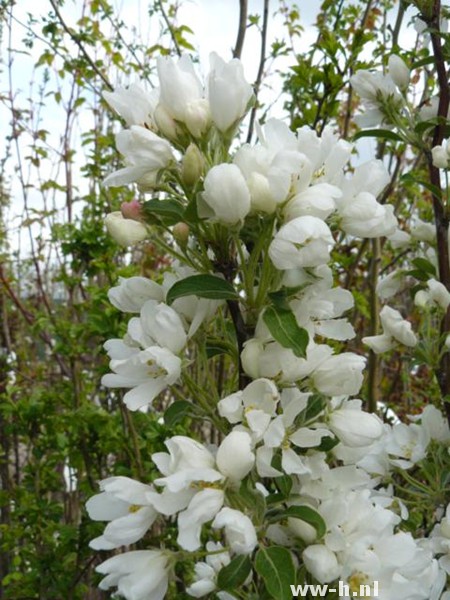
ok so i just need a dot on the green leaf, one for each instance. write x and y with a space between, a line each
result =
253 500
408 177
215 347
304 513
168 212
276 567
233 575
285 330
316 404
428 60
424 265
203 286
384 134
284 484
177 412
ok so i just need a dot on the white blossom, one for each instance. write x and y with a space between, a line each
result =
125 232
303 242
138 575
145 154
340 374
134 104
240 533
226 194
123 502
228 92
353 426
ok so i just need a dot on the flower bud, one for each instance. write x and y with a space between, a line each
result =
321 562
228 92
226 193
440 157
180 233
165 123
131 210
126 232
250 357
235 458
192 165
197 117
261 195
398 71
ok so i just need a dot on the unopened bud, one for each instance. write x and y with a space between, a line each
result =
440 157
261 195
126 232
131 210
165 123
398 71
192 165
180 232
197 117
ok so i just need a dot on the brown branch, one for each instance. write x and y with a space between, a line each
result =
440 213
262 60
243 10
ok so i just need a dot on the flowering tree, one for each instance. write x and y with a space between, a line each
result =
276 407
281 476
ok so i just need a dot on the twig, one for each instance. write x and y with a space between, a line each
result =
262 60
169 27
75 39
243 9
374 360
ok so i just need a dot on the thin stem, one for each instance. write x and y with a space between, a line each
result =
169 27
262 60
374 360
75 39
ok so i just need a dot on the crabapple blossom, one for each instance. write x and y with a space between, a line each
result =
138 575
123 502
226 194
125 232
228 92
145 153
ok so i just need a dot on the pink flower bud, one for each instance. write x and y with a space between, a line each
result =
131 210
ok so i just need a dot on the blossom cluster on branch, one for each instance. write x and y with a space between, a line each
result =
301 484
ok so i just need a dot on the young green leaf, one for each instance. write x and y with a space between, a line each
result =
276 567
304 513
385 134
233 575
203 286
168 212
284 328
177 412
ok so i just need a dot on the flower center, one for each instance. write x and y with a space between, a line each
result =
155 370
359 584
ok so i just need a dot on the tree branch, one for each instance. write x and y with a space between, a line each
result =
262 60
169 27
440 210
75 39
243 10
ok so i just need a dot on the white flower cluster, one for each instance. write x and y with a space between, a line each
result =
147 359
295 421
